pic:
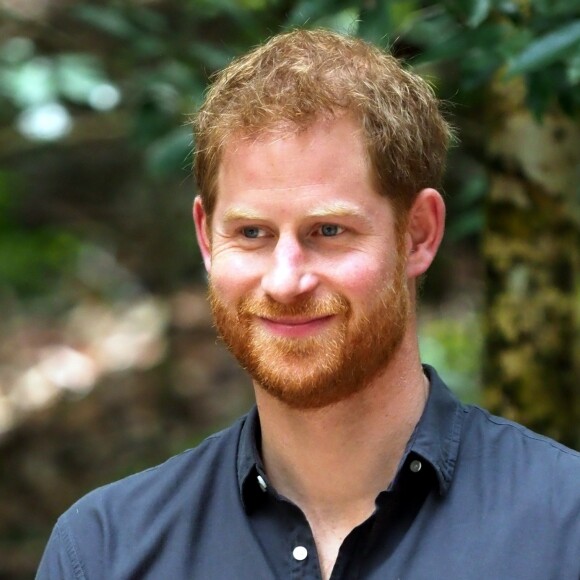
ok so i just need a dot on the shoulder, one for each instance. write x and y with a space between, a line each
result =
159 498
115 529
187 473
513 438
513 458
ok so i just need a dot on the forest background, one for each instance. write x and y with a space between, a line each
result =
108 361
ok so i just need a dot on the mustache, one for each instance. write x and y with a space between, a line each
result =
308 307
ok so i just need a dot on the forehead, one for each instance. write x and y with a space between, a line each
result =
321 172
286 158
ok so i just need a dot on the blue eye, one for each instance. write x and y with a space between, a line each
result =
329 230
251 232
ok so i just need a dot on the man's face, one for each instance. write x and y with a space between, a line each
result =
307 273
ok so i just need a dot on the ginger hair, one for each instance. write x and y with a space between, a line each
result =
299 77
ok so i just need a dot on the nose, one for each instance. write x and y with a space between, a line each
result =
289 274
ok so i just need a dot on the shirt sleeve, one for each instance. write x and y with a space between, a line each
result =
60 561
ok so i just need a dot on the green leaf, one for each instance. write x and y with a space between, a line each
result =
469 224
469 12
557 7
381 22
473 192
17 49
31 83
31 261
108 19
210 56
77 75
542 87
171 154
345 22
153 20
477 68
307 12
429 31
478 12
546 49
573 69
457 45
376 23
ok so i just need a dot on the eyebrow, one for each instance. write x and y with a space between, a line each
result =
239 213
337 209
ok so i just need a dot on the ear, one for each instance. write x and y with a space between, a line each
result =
425 226
202 232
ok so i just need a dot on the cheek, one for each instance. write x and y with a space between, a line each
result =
233 274
360 275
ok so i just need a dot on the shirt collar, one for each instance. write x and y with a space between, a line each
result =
435 439
438 432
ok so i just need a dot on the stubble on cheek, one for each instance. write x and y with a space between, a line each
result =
291 369
329 366
315 371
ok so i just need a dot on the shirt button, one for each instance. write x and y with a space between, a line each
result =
262 483
415 466
300 553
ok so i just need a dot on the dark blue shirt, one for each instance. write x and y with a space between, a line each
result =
475 497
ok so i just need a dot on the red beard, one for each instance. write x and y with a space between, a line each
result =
332 365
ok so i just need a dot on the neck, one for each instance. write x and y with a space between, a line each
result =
333 462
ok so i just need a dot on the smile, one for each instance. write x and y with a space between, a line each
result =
296 327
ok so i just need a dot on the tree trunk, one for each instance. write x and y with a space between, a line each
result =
531 250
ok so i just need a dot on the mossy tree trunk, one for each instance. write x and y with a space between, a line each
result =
531 248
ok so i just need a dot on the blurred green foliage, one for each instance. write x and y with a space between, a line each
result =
454 346
31 259
95 194
149 63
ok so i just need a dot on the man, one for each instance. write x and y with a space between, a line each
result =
316 160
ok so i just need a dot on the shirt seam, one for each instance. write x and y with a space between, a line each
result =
71 551
525 432
455 438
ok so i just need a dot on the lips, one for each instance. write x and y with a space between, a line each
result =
295 321
295 327
302 319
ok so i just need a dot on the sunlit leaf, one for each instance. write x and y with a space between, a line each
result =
546 49
478 12
470 12
31 83
77 75
573 69
455 344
